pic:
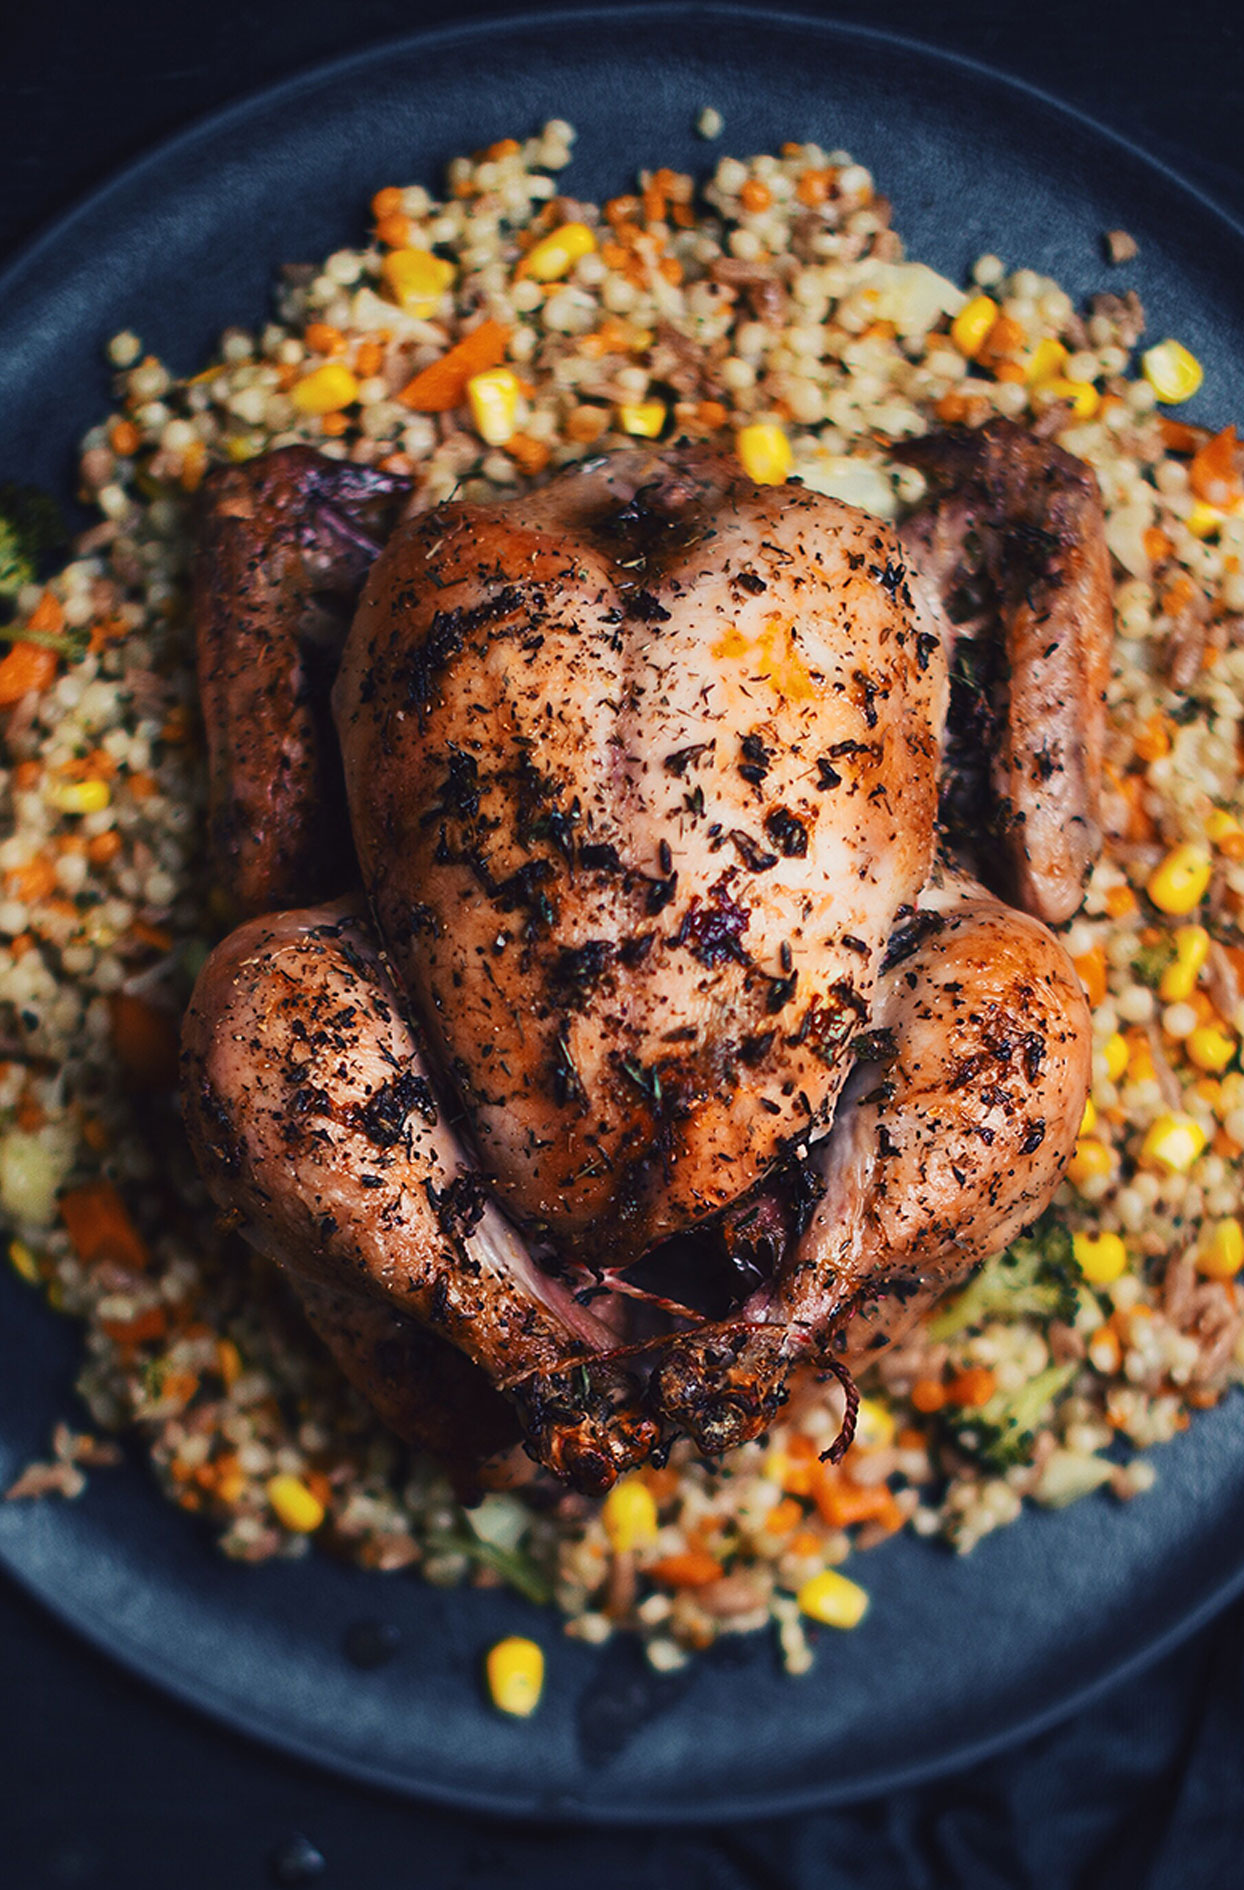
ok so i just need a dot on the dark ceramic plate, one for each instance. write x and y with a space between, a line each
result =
955 1657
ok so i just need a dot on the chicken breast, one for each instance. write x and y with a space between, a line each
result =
639 774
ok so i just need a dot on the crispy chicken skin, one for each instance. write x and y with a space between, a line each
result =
657 948
282 541
1012 542
639 773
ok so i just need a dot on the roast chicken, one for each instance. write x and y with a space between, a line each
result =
662 1048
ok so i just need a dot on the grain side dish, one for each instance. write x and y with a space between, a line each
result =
474 344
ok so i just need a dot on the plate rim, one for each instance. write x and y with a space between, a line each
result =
23 263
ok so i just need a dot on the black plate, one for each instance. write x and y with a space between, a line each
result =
956 1657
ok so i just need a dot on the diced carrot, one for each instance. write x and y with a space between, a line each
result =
394 230
1177 597
928 1395
813 188
1214 474
1014 371
784 1517
193 466
153 935
670 269
1091 967
106 630
614 255
1156 543
146 1040
663 1483
532 455
801 1446
104 848
333 425
755 196
692 1568
711 414
34 881
1121 901
1153 738
124 438
386 202
1179 437
368 359
325 338
840 1502
442 384
142 785
27 666
26 774
911 1439
972 1387
150 1324
503 148
23 943
99 1225
586 424
47 617
30 1115
178 1387
621 210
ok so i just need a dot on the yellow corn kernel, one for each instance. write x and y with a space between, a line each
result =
1090 1160
1178 981
23 1262
326 389
1203 520
644 418
297 1508
765 454
1088 1121
1084 397
1046 361
555 255
1222 1256
1171 371
515 1670
241 448
416 279
1210 1047
1101 1258
1179 883
1173 1142
971 325
630 1514
833 1600
79 797
493 398
228 1362
874 1425
1115 1053
1220 826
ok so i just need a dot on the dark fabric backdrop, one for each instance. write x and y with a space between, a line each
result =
105 1784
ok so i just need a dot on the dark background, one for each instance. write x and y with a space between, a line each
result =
103 1783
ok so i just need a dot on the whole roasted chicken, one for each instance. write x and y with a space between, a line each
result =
658 1050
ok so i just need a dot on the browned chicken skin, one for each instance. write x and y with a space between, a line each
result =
643 781
1012 542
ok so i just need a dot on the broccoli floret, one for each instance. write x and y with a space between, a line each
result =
32 533
1152 961
1036 1276
1000 1432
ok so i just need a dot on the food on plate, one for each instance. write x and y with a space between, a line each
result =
469 350
643 780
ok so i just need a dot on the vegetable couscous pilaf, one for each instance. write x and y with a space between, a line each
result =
473 344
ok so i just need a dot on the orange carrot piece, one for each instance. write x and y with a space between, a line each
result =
151 1324
928 1395
99 1225
1214 474
973 1387
27 666
441 385
784 1517
692 1568
1092 968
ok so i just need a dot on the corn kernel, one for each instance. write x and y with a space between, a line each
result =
1101 1258
1046 361
326 389
630 1514
1210 1047
644 418
297 1507
555 255
416 279
1090 1161
493 398
1088 1121
971 325
79 797
1173 1142
515 1670
1178 981
1180 882
1222 1256
1220 826
765 454
874 1425
1084 397
1203 520
833 1600
1116 1053
1171 371
23 1262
